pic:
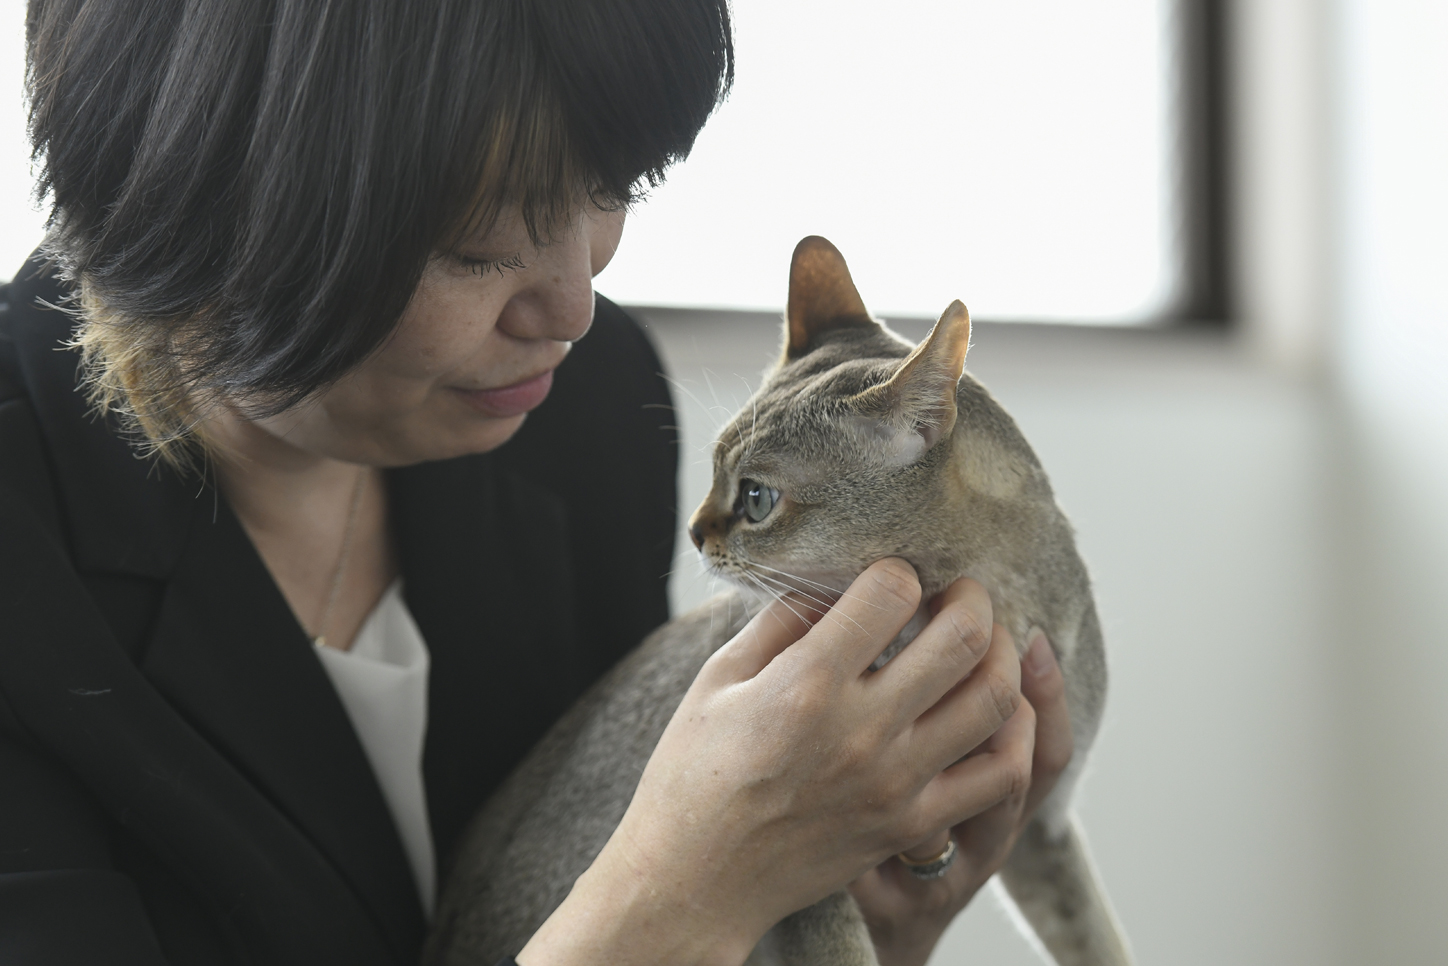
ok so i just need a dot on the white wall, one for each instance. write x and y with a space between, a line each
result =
1392 366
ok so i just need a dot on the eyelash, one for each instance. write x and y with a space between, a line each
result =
483 266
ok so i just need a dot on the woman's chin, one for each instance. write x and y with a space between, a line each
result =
475 435
424 437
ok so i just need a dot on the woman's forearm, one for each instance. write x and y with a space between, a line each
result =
619 914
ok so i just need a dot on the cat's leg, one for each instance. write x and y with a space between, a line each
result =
829 933
1050 878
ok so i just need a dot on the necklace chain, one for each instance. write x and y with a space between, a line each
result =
357 488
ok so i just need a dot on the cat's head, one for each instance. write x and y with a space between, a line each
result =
839 459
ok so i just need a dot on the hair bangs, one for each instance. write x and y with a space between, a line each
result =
251 194
598 107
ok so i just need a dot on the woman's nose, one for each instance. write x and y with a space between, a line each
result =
557 303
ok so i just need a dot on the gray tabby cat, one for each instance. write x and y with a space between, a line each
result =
856 447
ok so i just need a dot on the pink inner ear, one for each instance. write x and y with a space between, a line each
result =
923 389
893 445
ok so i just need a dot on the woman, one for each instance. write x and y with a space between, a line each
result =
321 261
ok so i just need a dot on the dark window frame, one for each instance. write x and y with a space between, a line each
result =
1201 34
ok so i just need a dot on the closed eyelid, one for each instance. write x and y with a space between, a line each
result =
479 265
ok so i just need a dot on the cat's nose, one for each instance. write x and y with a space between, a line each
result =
705 523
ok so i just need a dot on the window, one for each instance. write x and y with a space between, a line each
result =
1025 157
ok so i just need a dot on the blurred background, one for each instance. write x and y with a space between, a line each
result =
1205 240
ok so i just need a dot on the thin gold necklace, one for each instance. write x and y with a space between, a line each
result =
321 639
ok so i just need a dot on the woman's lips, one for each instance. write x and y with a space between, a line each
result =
514 400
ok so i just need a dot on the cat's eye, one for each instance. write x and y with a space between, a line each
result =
756 500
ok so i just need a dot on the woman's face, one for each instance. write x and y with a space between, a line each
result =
474 352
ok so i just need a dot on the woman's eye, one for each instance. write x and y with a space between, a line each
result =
486 266
756 499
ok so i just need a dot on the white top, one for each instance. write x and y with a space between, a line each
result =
382 682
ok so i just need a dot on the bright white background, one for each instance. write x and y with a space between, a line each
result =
1013 155
21 223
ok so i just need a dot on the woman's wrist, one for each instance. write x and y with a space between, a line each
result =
622 914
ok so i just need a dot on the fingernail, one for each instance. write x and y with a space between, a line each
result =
1038 655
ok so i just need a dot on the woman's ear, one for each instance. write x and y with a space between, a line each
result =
915 408
822 297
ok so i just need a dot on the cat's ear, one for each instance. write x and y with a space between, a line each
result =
915 408
822 296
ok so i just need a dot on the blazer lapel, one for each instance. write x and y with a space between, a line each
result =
79 695
229 655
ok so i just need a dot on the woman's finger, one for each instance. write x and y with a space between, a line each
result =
877 605
949 648
985 840
929 849
779 625
1044 687
999 770
972 710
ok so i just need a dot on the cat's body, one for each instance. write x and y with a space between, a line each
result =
858 457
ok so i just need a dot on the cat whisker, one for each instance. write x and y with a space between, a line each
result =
753 420
728 410
697 401
808 603
794 590
824 588
777 596
714 611
712 391
767 591
826 612
681 557
792 576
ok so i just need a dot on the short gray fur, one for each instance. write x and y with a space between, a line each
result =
975 503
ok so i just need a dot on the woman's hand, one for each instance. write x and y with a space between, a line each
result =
790 770
907 916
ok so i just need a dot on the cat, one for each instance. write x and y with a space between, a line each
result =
861 447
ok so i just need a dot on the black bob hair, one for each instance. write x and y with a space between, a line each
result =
248 191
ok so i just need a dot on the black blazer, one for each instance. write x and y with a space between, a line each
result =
179 781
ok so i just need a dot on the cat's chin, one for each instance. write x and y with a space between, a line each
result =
815 590
819 587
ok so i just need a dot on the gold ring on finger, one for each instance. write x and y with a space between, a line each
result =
927 870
